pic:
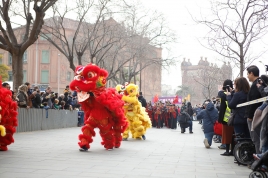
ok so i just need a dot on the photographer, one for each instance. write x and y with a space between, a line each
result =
224 112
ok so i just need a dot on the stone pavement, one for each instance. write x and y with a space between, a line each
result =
165 153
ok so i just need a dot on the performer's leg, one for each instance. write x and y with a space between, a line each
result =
107 137
87 134
126 134
138 129
117 135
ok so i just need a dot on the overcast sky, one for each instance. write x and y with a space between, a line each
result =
177 13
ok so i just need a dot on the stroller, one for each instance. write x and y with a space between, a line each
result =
259 167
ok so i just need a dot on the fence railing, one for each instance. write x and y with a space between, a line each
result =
41 119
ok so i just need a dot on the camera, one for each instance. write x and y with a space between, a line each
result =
227 87
260 81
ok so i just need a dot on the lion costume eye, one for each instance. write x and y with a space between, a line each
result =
91 74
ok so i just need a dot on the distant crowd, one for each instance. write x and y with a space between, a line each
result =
28 97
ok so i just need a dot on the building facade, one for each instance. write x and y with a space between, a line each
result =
203 80
44 65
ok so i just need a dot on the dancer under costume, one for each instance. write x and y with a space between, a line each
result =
138 118
103 107
8 118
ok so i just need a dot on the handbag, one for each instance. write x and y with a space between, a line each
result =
231 120
217 126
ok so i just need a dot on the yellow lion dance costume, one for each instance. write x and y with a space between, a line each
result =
136 115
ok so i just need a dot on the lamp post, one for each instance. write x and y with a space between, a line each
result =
58 74
265 66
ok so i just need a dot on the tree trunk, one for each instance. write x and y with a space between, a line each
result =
79 58
71 60
241 61
17 70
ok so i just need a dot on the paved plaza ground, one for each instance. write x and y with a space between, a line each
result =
165 153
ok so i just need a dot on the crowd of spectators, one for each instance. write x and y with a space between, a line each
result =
28 97
249 121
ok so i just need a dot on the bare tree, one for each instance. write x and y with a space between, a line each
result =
184 91
65 33
17 40
234 26
149 34
208 77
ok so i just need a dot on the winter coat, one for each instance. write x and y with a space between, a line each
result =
142 101
189 109
36 101
208 122
239 113
22 99
223 107
183 119
252 95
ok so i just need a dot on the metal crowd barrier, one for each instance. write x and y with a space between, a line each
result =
253 102
41 119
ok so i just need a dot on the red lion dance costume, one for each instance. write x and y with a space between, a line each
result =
103 107
8 118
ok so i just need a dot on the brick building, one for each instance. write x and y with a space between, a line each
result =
203 80
44 65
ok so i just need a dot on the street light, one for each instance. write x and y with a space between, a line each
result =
58 74
265 66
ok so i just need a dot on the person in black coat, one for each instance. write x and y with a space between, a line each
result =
227 131
253 76
36 101
185 121
142 100
237 97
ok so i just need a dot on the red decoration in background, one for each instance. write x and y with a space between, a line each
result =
155 98
176 100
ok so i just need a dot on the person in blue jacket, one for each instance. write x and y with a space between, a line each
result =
209 115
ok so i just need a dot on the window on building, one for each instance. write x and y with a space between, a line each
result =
45 56
24 76
68 76
10 76
1 58
24 57
9 59
44 37
44 76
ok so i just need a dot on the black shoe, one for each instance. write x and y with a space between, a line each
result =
191 132
143 137
83 148
225 154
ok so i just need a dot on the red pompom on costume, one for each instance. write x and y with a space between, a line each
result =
103 107
8 118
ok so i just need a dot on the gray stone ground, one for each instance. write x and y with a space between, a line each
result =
165 153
